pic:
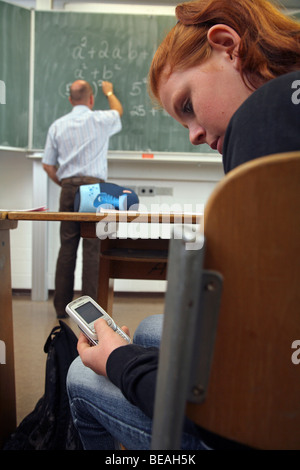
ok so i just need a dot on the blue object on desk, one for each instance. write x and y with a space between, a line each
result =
89 197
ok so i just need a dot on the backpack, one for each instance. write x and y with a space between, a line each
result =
49 426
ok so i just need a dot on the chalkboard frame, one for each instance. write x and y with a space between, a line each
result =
17 124
14 73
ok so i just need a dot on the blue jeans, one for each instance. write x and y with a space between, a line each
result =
104 417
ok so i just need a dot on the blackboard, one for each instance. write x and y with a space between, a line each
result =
14 75
93 46
96 47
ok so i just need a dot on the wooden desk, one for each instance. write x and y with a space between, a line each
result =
119 259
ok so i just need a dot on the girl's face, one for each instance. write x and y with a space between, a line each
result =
204 98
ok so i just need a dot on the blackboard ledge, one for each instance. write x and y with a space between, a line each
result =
12 149
137 156
179 157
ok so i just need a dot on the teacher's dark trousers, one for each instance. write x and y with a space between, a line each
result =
69 241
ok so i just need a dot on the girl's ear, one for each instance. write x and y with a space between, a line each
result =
224 39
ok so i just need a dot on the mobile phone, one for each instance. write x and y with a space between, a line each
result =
85 311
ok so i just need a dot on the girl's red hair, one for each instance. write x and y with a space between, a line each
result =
269 47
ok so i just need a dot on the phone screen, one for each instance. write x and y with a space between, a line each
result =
89 312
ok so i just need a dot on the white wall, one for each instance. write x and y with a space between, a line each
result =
16 193
61 4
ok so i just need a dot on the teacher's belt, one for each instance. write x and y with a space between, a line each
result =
78 180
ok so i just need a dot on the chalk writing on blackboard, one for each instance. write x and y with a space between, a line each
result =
97 47
112 58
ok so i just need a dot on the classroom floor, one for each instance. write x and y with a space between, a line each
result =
33 322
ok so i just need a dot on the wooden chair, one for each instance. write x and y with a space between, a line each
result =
244 384
129 259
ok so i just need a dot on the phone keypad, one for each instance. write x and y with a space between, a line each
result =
112 325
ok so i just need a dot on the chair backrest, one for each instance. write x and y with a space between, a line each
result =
252 232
